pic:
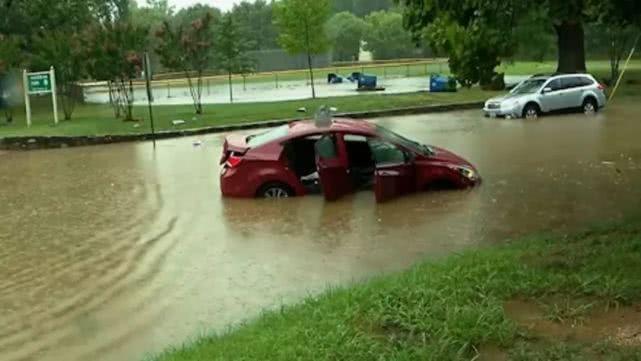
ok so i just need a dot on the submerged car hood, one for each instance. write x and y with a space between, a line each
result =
445 156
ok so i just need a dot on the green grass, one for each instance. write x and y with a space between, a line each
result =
445 310
99 119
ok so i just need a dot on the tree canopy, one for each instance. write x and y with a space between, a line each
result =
345 32
486 29
385 36
302 28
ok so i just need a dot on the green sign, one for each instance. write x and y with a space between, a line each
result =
39 83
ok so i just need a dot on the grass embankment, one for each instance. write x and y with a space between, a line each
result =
99 120
92 119
462 308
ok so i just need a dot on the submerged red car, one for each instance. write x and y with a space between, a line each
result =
336 159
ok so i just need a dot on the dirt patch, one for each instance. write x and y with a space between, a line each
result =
492 353
621 326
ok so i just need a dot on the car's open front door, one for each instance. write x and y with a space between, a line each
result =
331 163
395 172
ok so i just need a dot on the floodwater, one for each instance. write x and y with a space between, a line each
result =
114 252
266 91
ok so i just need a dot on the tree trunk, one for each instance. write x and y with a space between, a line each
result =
311 74
571 42
231 90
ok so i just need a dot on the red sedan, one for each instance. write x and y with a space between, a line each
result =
336 159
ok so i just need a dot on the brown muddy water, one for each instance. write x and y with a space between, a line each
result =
115 252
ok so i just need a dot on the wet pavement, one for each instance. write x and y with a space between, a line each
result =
113 252
267 91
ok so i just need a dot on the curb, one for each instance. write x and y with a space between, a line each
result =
52 142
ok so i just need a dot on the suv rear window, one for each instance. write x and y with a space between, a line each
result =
269 136
585 81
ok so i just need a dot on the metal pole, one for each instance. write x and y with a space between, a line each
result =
276 74
54 96
616 86
150 98
27 102
168 89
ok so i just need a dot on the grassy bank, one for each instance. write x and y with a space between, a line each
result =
476 304
99 119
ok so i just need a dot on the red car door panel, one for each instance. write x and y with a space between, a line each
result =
393 181
395 173
332 168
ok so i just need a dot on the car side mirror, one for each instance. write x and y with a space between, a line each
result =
546 90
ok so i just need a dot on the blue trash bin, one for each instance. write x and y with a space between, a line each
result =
442 83
367 81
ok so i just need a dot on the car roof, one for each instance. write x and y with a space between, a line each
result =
308 127
557 75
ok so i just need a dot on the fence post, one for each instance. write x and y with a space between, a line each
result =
208 88
276 76
426 71
407 71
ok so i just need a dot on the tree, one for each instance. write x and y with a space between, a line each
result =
10 57
188 48
366 7
63 51
232 46
345 32
302 28
361 8
113 51
500 17
385 36
620 20
151 17
257 20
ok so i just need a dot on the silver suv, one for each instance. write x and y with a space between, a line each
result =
544 94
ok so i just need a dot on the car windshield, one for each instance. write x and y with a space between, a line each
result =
529 86
257 140
401 140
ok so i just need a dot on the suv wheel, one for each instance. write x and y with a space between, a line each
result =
590 106
531 111
275 191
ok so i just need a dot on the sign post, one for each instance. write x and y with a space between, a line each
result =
43 82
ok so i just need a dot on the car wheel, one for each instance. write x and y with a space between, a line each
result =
275 191
590 106
531 111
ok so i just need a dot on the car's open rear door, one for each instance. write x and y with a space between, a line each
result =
395 171
332 167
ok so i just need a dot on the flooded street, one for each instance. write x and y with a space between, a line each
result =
114 252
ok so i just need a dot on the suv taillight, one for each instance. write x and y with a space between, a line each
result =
233 161
601 86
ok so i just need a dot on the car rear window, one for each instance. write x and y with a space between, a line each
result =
585 81
257 140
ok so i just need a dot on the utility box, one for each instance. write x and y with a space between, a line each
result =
442 83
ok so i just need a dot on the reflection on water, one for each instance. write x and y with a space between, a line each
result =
107 253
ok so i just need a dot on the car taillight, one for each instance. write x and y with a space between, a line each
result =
233 161
601 86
